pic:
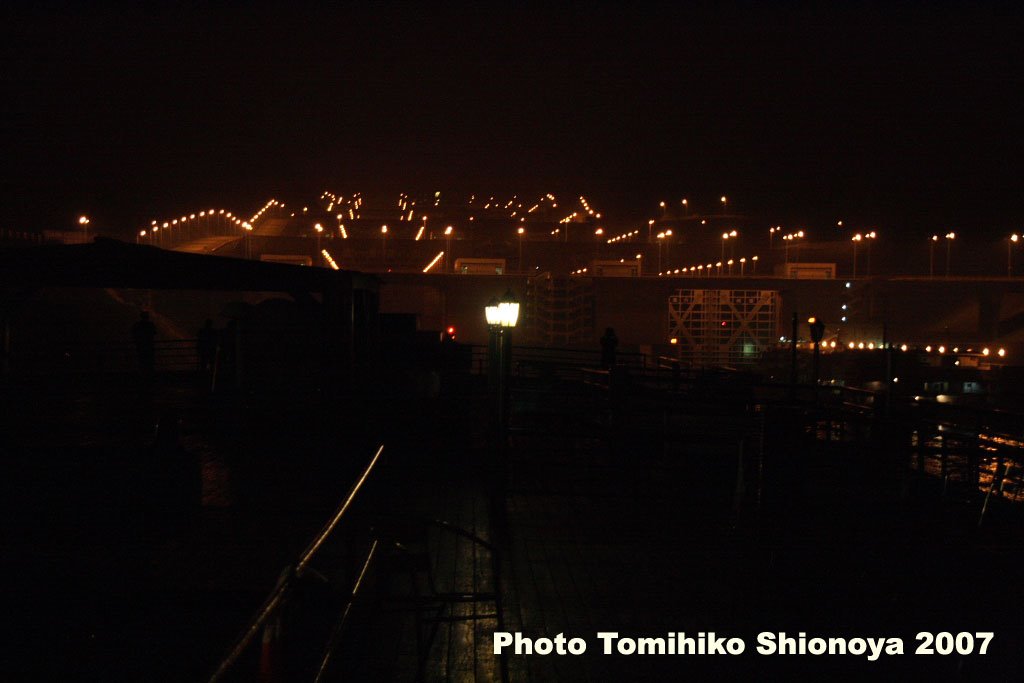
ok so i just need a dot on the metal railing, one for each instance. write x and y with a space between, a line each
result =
169 355
272 604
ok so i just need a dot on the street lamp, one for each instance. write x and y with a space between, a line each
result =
868 239
384 245
792 237
502 316
1009 253
855 239
650 224
725 203
725 237
743 265
84 222
771 235
521 231
319 231
686 207
931 255
448 246
662 236
950 236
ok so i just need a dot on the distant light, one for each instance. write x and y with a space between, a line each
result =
1001 352
673 340
847 285
895 379
903 347
434 262
942 349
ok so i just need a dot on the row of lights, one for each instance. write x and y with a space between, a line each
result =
701 269
156 226
940 349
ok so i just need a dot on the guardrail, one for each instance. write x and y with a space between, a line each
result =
286 584
169 355
539 360
384 537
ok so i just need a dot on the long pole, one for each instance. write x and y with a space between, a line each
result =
792 358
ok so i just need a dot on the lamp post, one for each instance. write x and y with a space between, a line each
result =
448 248
84 222
521 231
1009 253
661 238
950 236
817 332
650 225
725 204
855 239
931 255
753 265
686 207
319 231
792 237
725 237
868 239
502 316
384 245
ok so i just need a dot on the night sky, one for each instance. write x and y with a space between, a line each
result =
909 120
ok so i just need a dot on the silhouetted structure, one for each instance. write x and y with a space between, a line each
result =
143 334
609 342
206 345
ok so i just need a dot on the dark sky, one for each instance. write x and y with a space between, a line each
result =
908 119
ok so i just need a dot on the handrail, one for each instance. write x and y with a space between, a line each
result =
273 601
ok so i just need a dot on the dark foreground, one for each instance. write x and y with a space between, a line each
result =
662 514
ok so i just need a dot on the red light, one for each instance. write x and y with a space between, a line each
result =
723 323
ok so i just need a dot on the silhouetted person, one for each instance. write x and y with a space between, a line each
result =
206 345
143 333
608 344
